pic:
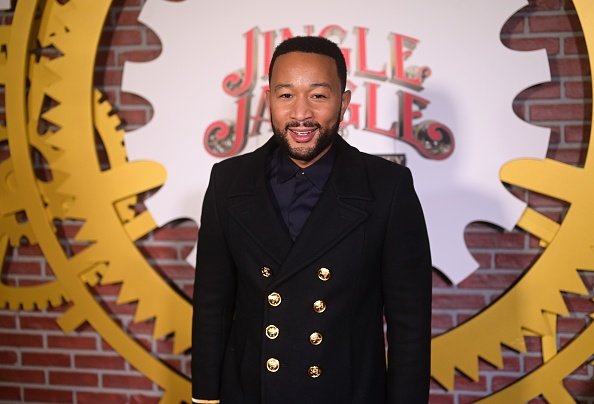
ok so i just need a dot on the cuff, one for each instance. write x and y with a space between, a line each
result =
200 401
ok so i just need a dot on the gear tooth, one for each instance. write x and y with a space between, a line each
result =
127 292
162 327
491 353
144 311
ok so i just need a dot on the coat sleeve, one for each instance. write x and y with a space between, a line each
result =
213 300
406 272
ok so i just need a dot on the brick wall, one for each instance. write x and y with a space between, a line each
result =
38 362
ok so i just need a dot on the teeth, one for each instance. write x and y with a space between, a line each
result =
302 133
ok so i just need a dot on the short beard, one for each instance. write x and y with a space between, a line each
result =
325 139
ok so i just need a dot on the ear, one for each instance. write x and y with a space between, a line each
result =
345 101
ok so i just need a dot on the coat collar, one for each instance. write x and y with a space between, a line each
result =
338 212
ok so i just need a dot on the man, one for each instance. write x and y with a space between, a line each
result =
305 245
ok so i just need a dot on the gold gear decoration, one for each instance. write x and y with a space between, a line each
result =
532 305
79 189
101 199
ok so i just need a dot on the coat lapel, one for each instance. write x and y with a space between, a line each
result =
339 211
251 206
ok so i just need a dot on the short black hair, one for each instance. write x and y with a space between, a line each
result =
312 44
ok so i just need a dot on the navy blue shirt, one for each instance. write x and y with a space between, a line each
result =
295 189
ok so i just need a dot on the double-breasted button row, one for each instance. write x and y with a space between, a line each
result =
324 274
272 331
273 365
266 272
274 299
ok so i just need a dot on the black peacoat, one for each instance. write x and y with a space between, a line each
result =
277 321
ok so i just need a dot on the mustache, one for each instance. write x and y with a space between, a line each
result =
304 124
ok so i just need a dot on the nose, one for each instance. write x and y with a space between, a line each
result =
302 110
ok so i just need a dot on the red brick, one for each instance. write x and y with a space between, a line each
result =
437 398
152 38
183 271
578 304
159 252
133 100
499 382
45 359
526 44
442 321
553 23
48 395
577 133
574 156
8 358
570 67
142 328
531 363
23 268
488 281
138 56
22 375
494 240
575 45
124 381
177 233
29 250
10 393
8 321
570 325
543 201
77 378
443 301
121 37
543 5
38 323
70 342
559 112
466 398
105 58
578 89
186 250
462 383
107 77
135 117
99 362
126 17
518 260
21 340
93 398
583 387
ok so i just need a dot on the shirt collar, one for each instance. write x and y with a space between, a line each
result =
317 173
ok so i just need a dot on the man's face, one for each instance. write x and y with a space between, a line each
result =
306 104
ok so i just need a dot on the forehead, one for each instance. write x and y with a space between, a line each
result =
304 66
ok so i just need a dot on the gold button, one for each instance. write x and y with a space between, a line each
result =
274 299
324 274
266 272
273 365
315 338
319 306
314 371
272 331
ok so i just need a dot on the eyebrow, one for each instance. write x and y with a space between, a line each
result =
312 85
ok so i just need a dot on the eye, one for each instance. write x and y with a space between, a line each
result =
318 96
285 95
